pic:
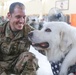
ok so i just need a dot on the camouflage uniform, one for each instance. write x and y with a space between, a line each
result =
14 55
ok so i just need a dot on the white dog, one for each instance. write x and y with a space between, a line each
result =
58 39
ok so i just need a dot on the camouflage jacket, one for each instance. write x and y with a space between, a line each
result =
12 46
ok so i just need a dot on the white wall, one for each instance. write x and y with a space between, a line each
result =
33 7
37 7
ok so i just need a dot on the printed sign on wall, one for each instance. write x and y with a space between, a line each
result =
63 5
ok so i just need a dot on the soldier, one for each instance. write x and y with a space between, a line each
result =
15 57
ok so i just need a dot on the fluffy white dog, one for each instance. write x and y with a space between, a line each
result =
58 39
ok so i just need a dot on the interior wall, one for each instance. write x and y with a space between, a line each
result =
38 7
33 7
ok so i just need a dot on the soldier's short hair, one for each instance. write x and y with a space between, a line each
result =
13 5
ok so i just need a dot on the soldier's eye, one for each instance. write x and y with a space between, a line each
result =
48 30
18 16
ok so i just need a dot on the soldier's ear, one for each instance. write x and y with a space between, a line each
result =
8 15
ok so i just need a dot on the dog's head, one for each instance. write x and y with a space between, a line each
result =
53 38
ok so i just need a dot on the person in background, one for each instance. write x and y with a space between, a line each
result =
15 57
2 19
33 23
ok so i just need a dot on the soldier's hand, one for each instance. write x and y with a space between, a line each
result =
23 59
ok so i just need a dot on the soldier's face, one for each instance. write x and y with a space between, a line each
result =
17 19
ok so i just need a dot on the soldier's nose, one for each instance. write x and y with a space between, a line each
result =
30 34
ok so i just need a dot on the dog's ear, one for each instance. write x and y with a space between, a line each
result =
65 42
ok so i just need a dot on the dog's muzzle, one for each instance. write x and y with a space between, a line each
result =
41 44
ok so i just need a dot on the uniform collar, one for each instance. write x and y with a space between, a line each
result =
9 33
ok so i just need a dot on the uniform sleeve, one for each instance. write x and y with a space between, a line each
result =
27 29
3 44
30 28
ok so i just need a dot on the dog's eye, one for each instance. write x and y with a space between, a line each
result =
48 30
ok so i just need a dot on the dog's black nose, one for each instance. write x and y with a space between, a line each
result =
30 34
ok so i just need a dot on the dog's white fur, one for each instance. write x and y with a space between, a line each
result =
62 40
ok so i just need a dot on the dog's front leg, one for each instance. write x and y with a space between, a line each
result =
69 60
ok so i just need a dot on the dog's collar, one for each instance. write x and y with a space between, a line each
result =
55 66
